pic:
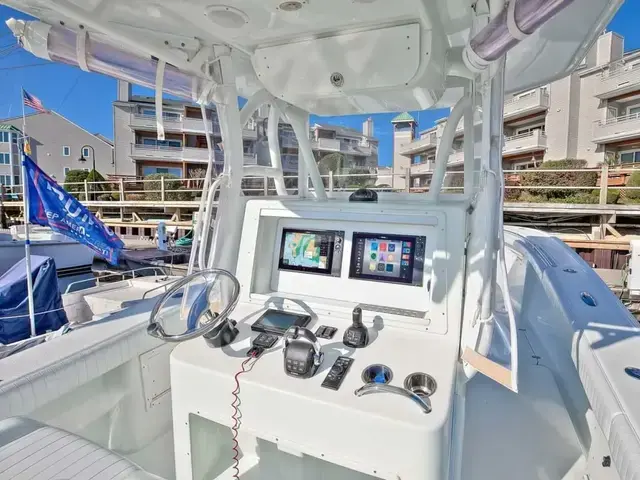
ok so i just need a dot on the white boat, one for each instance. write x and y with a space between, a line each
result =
68 254
326 336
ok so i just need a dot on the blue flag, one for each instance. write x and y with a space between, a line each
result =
51 206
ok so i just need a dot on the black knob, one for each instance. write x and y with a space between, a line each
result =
356 317
357 335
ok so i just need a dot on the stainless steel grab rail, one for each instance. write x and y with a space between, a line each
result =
423 402
117 274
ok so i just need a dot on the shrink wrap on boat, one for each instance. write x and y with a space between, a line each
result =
14 304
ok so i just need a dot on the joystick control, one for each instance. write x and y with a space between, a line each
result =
357 335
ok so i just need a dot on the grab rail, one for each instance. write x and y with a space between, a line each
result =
114 274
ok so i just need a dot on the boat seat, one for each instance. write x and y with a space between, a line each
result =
35 451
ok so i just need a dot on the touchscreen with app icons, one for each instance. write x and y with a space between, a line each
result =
387 258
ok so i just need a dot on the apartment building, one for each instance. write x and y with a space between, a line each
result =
184 149
592 114
359 149
57 146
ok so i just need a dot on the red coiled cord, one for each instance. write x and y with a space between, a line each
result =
236 413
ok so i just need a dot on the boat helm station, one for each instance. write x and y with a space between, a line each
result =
354 335
342 323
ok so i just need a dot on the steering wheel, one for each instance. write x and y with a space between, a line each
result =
197 300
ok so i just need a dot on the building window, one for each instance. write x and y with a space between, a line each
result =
635 111
16 180
5 159
632 156
524 165
251 124
85 152
66 151
525 130
4 137
166 170
5 180
162 143
66 171
14 138
151 112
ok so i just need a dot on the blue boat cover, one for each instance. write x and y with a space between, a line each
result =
14 302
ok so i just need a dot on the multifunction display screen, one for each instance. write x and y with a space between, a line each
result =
387 258
311 251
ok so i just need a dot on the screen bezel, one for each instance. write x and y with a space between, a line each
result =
382 278
295 268
301 320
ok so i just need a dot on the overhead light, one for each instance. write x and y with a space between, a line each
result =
290 6
226 17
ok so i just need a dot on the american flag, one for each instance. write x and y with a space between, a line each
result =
33 102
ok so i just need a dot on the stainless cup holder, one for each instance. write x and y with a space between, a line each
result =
377 374
421 384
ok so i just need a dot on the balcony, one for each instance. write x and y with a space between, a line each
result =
533 102
619 79
456 158
326 144
524 143
617 128
419 146
172 154
195 125
422 168
180 123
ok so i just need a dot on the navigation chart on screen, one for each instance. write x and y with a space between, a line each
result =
304 250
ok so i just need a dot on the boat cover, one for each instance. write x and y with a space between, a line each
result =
14 306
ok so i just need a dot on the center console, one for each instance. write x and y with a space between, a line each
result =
348 317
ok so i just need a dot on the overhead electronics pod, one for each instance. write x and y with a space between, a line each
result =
387 258
311 251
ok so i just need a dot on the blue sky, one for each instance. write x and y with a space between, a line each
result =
85 98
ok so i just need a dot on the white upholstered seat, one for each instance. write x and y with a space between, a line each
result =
30 450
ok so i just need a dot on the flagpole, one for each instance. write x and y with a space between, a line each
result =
27 241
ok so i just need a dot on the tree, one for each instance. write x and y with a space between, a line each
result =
172 187
78 177
334 163
360 177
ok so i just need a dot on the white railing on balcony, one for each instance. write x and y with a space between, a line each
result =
193 124
163 152
183 123
617 128
456 157
141 120
422 168
330 144
525 142
621 77
534 101
419 145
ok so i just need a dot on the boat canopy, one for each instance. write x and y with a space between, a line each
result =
327 57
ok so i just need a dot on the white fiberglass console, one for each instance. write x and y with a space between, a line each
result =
379 284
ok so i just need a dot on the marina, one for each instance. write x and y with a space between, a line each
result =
248 320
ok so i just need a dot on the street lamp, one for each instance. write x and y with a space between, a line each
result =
93 158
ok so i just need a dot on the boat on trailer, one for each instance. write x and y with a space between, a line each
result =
326 335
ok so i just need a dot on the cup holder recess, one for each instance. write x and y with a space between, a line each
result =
377 373
421 384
